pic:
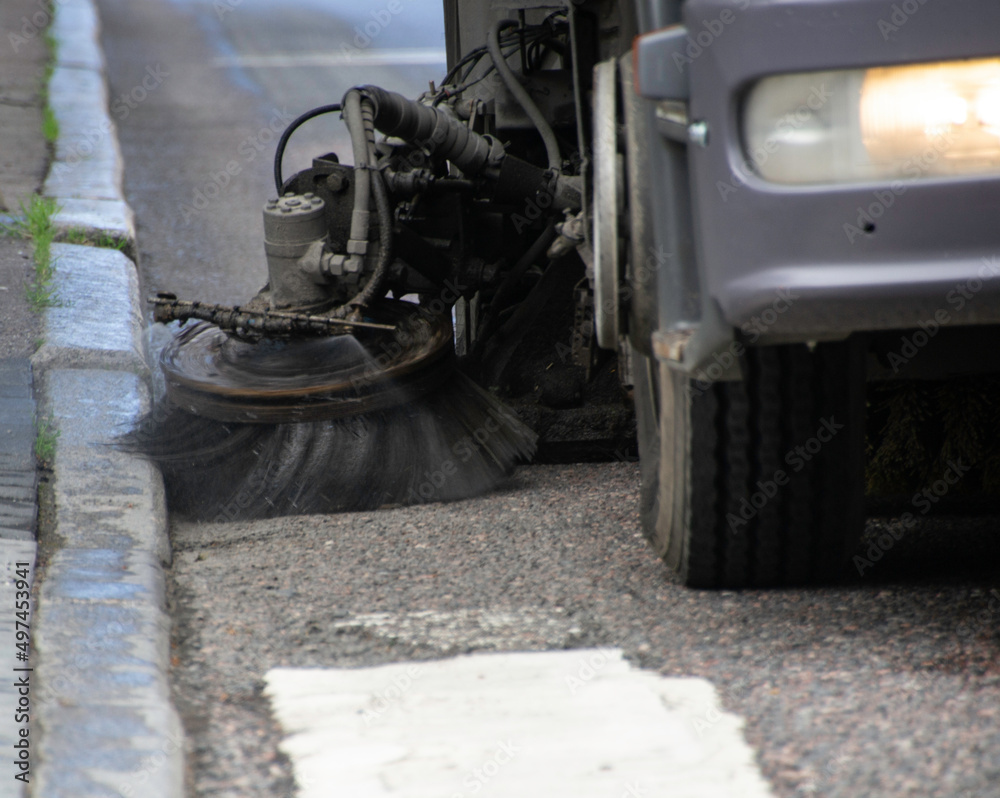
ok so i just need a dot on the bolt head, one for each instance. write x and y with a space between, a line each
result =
698 133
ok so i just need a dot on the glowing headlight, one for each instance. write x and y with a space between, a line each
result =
883 123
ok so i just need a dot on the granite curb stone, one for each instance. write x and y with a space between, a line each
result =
101 628
85 178
97 320
101 631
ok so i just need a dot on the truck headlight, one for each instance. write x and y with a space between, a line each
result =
923 120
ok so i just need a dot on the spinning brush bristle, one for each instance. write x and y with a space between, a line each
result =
452 442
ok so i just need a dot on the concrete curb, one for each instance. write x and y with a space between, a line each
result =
97 321
86 174
101 631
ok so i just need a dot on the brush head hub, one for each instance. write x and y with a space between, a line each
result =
212 374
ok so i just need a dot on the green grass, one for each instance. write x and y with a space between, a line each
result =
50 125
53 45
76 235
46 436
36 224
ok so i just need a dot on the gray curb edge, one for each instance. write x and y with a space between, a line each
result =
101 629
85 177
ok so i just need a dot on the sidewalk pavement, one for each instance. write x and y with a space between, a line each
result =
101 722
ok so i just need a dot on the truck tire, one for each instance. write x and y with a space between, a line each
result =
758 482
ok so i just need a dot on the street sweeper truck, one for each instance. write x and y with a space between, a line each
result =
728 212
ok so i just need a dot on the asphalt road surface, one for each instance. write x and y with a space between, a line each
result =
886 685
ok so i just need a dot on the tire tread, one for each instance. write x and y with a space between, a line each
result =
738 437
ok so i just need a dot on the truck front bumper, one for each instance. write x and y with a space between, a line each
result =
819 261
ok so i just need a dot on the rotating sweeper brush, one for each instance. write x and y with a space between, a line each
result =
347 421
323 394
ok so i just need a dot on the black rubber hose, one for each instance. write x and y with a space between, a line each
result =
354 117
374 285
506 290
356 121
279 153
530 257
521 94
439 132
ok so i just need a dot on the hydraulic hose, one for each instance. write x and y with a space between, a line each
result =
442 133
374 285
357 243
368 108
521 94
287 134
507 289
446 136
362 174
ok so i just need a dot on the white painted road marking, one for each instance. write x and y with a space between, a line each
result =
365 58
579 723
